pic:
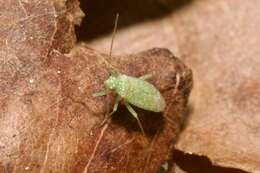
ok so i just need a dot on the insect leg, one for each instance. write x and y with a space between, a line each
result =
113 111
115 106
100 93
145 77
132 111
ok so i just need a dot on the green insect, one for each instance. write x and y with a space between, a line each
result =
133 91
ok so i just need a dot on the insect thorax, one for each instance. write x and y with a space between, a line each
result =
122 85
118 83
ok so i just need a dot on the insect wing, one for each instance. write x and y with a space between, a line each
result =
144 95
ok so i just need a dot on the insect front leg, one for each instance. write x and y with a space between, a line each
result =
113 111
100 93
118 98
132 111
146 77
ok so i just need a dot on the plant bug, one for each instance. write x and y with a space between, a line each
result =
132 90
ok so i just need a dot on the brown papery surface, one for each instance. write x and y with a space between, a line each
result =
49 121
222 46
220 41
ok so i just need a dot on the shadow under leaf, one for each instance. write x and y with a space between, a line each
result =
100 14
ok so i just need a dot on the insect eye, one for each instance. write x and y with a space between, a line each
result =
114 73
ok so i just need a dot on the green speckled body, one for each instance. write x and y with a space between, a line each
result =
137 92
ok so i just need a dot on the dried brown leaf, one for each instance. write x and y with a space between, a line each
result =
48 117
220 41
225 56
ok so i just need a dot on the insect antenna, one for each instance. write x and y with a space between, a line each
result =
112 70
113 36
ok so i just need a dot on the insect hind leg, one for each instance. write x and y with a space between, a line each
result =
132 111
146 77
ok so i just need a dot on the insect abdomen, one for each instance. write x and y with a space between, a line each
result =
140 93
